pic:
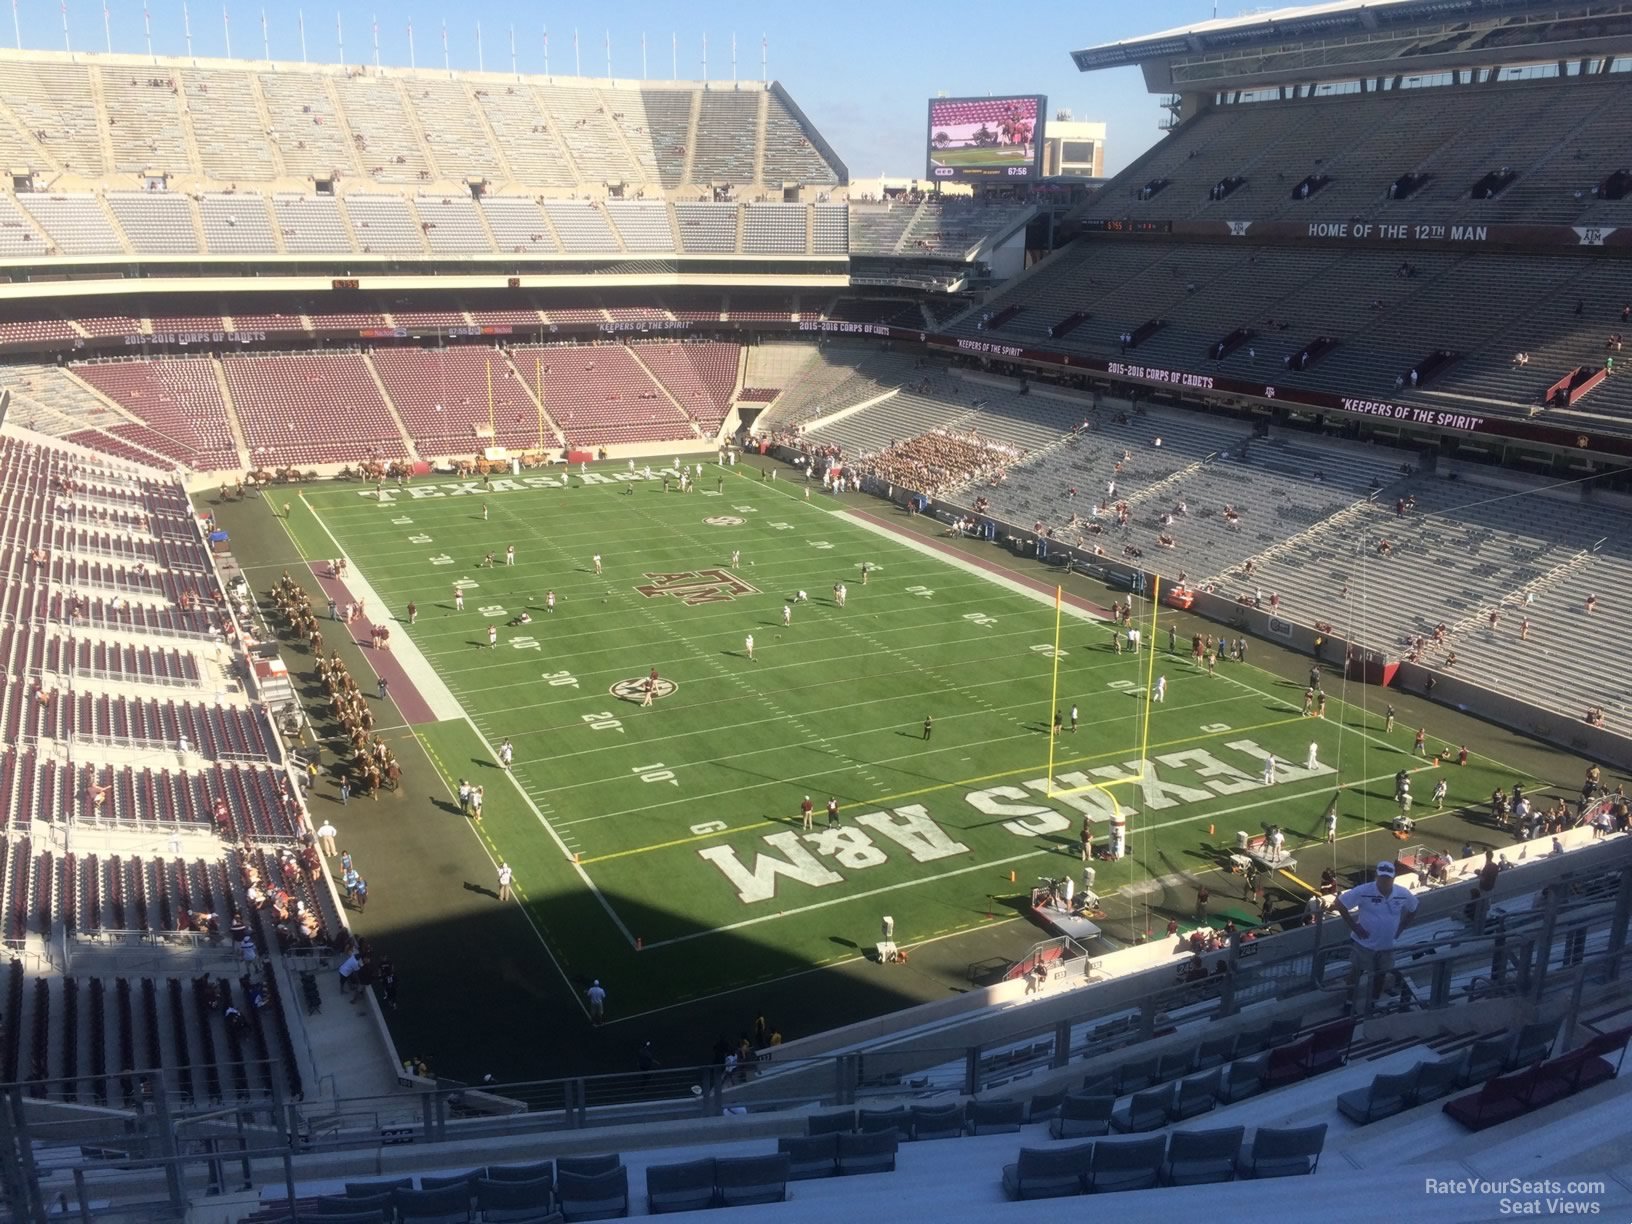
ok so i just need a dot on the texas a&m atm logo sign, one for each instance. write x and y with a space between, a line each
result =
697 587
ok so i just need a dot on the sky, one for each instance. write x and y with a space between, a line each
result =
863 72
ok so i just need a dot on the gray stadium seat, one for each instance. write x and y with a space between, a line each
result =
873 1152
811 1155
744 1181
1083 1116
1283 1153
1197 1158
1134 1164
688 1186
1048 1172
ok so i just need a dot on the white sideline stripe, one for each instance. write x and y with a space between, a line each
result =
910 540
423 676
457 711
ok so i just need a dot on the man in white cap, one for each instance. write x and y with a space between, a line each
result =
1376 913
596 995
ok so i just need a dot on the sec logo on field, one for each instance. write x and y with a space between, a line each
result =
634 689
725 520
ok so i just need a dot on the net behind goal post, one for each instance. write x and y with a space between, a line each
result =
1110 799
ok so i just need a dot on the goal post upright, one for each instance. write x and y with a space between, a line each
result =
1054 691
1150 674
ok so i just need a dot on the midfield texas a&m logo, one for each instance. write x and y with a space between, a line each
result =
695 587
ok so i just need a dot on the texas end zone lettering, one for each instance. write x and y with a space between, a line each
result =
1201 382
1164 782
1416 416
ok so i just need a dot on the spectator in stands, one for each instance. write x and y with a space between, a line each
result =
1376 914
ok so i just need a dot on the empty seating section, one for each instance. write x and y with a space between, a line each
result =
774 229
380 129
879 229
453 226
643 226
179 400
18 235
748 305
155 223
1551 133
582 226
234 125
700 377
237 225
628 111
101 324
232 223
668 129
233 143
832 230
773 367
312 225
54 103
214 732
727 137
213 775
527 137
954 229
75 224
600 395
91 1035
789 155
18 147
1385 314
384 224
442 396
144 122
838 377
707 228
452 130
47 401
518 225
583 118
320 408
306 129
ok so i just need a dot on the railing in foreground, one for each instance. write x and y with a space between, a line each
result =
1564 929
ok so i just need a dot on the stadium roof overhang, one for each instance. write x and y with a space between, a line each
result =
1360 38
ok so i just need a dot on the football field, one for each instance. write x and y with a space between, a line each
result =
664 844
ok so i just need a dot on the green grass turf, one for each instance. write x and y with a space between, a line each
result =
650 799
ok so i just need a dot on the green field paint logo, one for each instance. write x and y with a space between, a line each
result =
634 688
697 587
